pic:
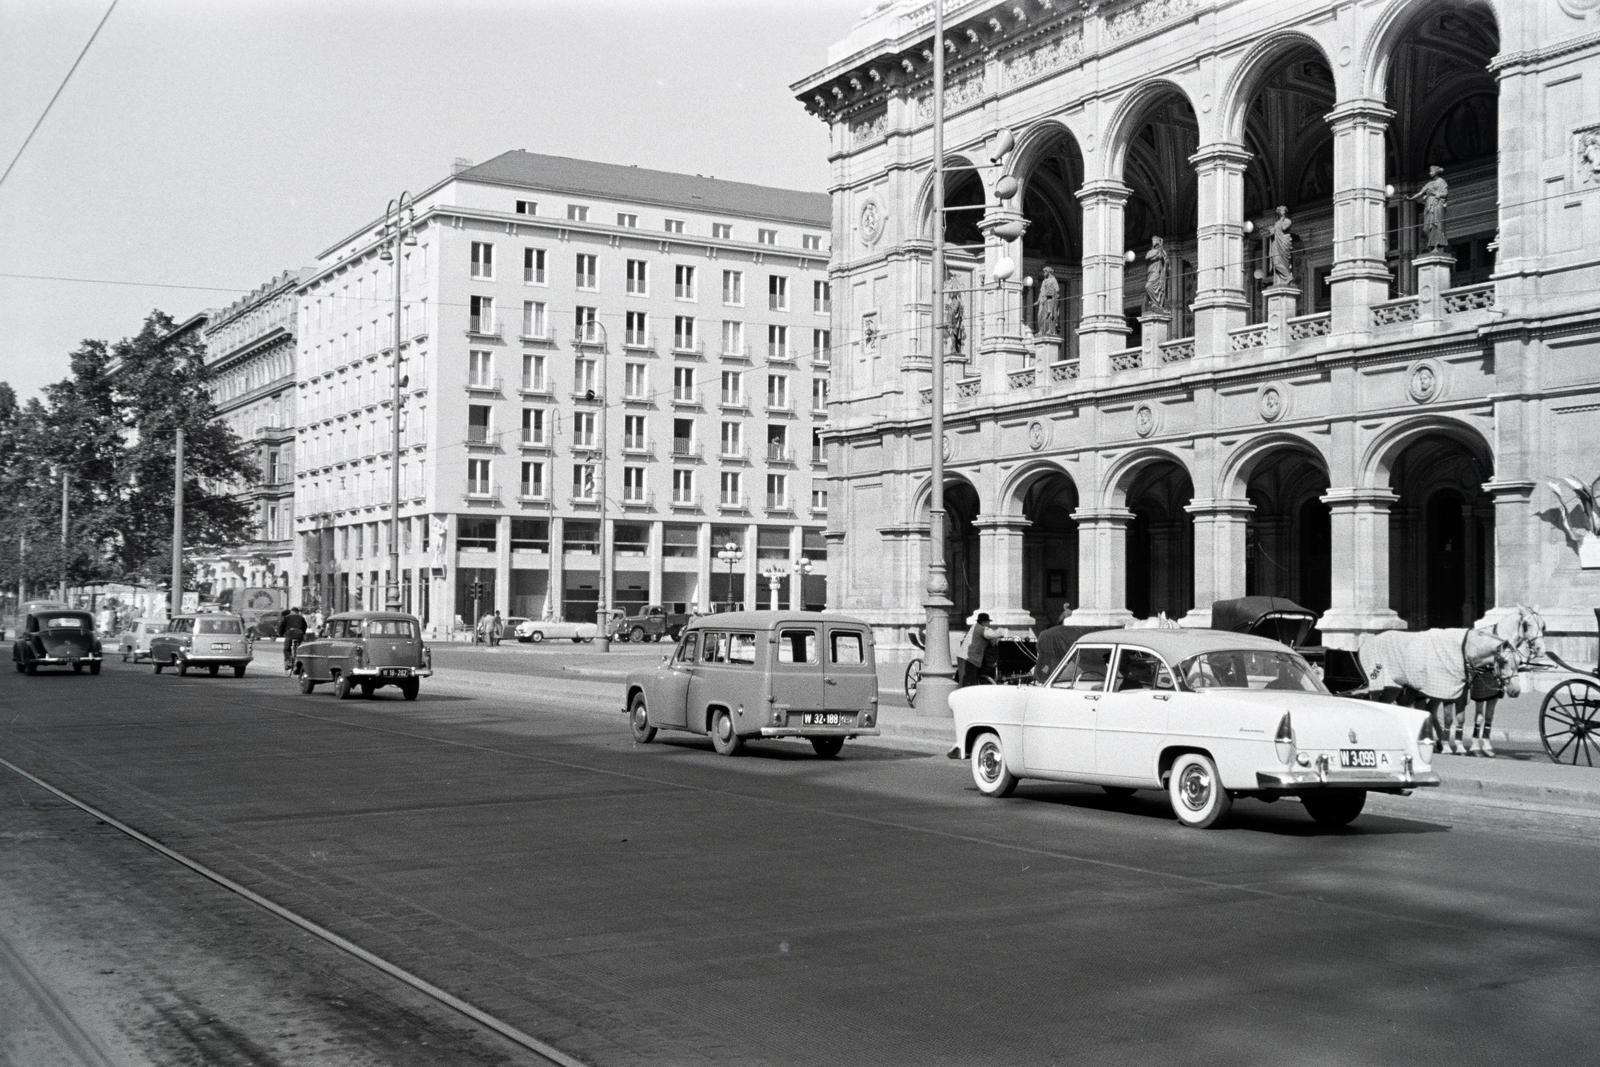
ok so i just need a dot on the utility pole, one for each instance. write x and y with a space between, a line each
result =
175 605
66 480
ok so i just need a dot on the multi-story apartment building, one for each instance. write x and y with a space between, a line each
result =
603 367
250 360
1276 355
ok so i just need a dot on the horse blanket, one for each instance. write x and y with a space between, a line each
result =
1429 661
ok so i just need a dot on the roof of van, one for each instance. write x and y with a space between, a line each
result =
765 620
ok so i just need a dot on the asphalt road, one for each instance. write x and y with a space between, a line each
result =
504 839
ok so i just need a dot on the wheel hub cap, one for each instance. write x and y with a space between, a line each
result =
1195 788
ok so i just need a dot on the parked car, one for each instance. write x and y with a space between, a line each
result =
536 630
365 650
757 674
1208 716
56 637
652 623
212 640
268 625
134 641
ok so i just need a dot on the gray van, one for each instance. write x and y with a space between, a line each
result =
757 674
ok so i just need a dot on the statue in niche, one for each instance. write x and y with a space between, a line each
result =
1434 195
955 315
1279 245
1155 276
1047 308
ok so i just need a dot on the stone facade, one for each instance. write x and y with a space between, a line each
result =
1375 439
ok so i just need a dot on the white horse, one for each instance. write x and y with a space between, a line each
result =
1435 667
1523 628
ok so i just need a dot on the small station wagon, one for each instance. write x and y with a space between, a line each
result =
756 674
212 640
365 650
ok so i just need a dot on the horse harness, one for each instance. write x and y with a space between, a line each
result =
1483 681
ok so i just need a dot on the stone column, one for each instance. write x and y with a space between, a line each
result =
556 587
1001 304
1219 553
1360 275
706 556
1359 522
1517 534
1000 569
655 557
502 565
1220 303
1103 329
1102 567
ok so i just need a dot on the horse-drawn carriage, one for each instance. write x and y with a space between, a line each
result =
1013 661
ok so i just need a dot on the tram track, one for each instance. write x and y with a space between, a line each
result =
79 1042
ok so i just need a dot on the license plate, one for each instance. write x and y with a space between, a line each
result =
223 646
822 718
1358 757
395 672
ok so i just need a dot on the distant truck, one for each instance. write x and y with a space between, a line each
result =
249 603
652 624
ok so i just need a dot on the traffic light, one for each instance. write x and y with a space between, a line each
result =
476 589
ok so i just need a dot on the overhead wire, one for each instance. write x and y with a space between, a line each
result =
56 95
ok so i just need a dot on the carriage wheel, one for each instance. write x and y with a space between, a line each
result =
1569 722
913 680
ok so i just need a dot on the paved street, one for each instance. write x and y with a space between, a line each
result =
504 839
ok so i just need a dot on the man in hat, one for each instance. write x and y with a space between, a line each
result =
975 654
1054 643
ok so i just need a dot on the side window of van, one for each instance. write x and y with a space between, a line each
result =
689 649
797 646
742 649
715 649
846 647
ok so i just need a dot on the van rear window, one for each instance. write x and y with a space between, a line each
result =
846 647
219 626
797 646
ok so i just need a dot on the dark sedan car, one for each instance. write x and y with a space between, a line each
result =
57 637
365 650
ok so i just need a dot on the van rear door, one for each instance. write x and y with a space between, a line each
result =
850 676
798 678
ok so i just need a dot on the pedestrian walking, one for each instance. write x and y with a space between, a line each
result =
294 631
497 627
1054 642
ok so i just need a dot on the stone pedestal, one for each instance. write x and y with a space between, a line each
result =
1154 328
1046 349
1282 300
1434 271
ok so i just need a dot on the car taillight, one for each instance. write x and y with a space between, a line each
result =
1283 742
1425 738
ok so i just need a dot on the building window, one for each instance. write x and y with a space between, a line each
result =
674 226
767 237
532 480
636 330
633 433
638 277
683 384
821 297
635 382
272 466
480 368
778 392
777 342
583 481
683 437
732 338
733 388
584 274
628 219
583 429
583 325
777 293
811 242
533 368
819 500
478 477
584 376
733 288
819 394
683 282
533 266
478 424
683 487
481 314
722 231
777 492
527 207
732 441
533 426
482 259
819 452
633 485
777 444
683 333
732 489
821 346
534 323
577 213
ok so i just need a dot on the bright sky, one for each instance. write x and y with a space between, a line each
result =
203 146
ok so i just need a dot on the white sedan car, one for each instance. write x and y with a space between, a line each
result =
1207 715
536 630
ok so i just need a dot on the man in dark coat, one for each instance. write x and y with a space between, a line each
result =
294 631
1054 644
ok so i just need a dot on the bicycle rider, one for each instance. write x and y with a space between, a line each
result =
294 630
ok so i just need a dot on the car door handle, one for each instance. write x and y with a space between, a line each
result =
830 681
1091 696
1162 696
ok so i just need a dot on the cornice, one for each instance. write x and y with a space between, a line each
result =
1534 56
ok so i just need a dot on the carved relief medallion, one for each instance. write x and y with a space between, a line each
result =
1144 420
1586 154
1271 403
1425 381
871 221
1038 435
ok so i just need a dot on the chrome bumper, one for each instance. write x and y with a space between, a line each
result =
61 661
1308 778
819 731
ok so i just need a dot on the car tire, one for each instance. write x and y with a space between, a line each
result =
1195 788
536 637
238 670
410 688
30 666
212 670
367 689
17 663
639 721
827 747
124 655
724 738
156 663
636 634
306 684
341 687
94 668
1335 807
182 664
77 668
990 772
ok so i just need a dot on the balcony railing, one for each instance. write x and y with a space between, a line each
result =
547 336
1305 327
1176 351
779 454
485 385
1127 359
685 450
1392 312
483 328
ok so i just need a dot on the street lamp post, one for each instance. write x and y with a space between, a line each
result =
398 219
799 567
730 554
775 575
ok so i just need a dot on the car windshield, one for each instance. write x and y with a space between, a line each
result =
1249 669
390 628
218 626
